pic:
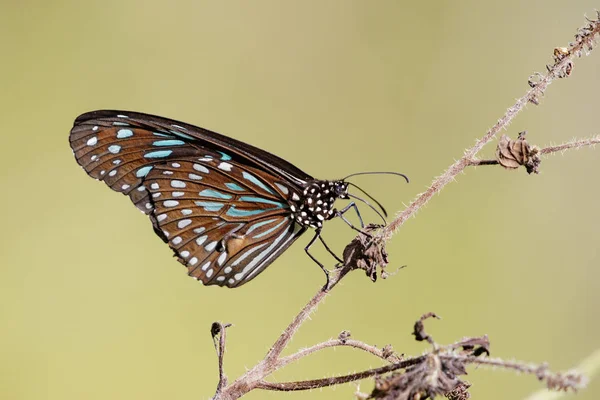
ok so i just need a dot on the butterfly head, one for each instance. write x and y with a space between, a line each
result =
340 189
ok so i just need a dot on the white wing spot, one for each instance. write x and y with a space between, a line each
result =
183 223
177 184
194 176
231 281
167 172
295 196
222 258
148 206
154 186
177 240
171 203
156 195
161 217
225 166
193 261
176 165
227 270
201 168
209 273
94 157
114 149
201 239
186 211
211 246
177 194
205 266
92 141
112 173
95 128
125 187
185 254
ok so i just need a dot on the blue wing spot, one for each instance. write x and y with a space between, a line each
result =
225 157
124 133
215 194
234 186
158 154
183 135
168 143
283 189
143 171
209 206
234 212
115 148
265 233
161 134
253 179
262 200
259 224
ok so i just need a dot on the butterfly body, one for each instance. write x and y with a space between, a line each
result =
226 208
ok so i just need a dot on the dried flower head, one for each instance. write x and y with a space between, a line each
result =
366 252
511 154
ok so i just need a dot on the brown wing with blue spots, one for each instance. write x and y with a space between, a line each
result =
225 217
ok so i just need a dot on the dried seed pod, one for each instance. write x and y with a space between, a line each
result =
511 154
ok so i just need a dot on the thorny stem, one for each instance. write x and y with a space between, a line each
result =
254 378
332 343
337 380
531 96
573 144
286 336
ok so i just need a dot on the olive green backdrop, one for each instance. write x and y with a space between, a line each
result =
92 304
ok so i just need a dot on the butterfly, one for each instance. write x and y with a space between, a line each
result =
227 209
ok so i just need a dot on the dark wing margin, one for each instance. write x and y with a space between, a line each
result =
211 139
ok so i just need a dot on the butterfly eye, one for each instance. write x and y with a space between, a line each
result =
341 189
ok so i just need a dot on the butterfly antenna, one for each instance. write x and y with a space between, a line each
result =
367 203
369 196
378 173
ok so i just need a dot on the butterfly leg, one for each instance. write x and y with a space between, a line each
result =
345 210
309 245
329 250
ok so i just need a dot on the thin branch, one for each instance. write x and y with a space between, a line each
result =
573 144
218 333
554 380
334 277
583 44
357 344
336 380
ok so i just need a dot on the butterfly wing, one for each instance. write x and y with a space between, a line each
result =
225 217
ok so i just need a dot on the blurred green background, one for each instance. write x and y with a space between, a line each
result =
94 306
